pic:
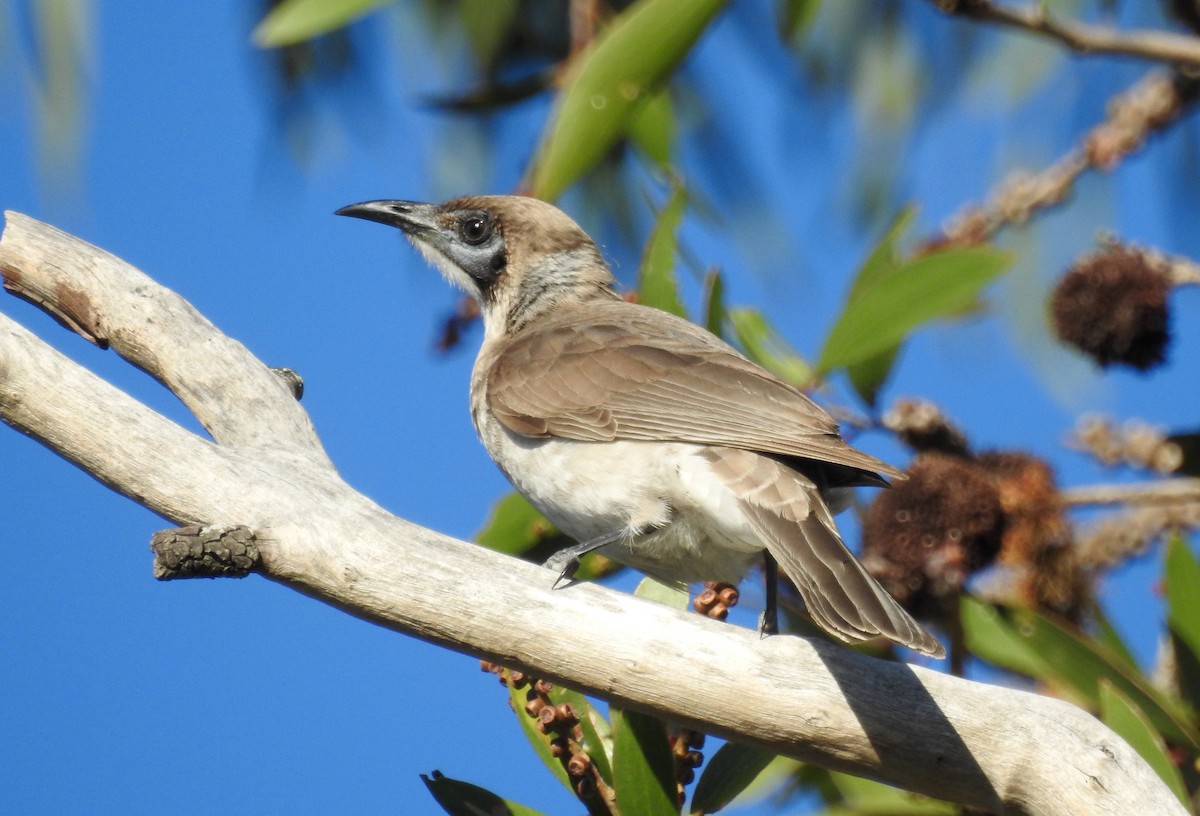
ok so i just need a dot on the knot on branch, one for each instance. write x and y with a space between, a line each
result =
204 552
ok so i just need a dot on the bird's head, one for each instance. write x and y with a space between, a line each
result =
517 257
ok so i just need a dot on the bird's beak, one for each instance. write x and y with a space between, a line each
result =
411 216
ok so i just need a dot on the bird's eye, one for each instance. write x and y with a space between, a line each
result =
475 229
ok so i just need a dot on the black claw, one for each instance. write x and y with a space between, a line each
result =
567 574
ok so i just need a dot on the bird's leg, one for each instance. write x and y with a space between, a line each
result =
769 625
565 562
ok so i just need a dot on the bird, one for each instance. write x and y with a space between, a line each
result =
640 434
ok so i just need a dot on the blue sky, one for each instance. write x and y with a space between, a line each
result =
120 694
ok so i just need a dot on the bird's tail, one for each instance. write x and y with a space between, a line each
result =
786 512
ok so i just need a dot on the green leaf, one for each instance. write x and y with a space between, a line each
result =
864 796
796 17
673 595
597 737
539 741
1108 635
514 526
727 775
464 799
1024 641
643 768
652 128
487 24
765 347
657 284
714 303
879 314
607 82
1121 715
294 21
1182 574
885 260
869 375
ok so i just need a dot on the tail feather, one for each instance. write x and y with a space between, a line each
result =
787 513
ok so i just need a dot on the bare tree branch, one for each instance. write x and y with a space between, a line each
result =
1168 491
996 749
1035 18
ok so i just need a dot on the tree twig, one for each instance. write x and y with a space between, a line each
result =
1154 102
995 749
1167 491
1083 38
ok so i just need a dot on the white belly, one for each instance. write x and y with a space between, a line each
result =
592 489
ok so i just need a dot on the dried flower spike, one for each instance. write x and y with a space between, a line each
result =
1112 306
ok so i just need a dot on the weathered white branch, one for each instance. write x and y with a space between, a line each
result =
997 749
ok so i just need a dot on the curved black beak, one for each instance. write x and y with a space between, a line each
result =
410 216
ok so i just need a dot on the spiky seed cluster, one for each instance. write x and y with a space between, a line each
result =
1112 306
923 538
1037 539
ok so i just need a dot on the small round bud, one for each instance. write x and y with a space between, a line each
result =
1112 306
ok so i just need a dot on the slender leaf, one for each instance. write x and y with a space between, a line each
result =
1183 615
796 17
1108 635
1024 641
714 303
1121 715
643 768
885 259
294 21
652 128
487 23
597 738
514 526
539 741
464 799
886 311
868 375
765 347
607 82
657 284
674 595
727 775
864 797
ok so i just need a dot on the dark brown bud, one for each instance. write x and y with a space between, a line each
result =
534 707
925 536
517 679
547 719
566 714
543 686
1112 306
579 764
559 747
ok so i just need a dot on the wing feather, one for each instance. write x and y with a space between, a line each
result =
615 370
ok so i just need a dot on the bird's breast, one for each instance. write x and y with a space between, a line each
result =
683 522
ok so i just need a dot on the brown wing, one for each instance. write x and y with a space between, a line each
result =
614 370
